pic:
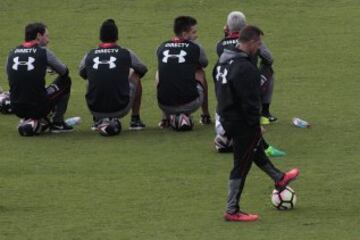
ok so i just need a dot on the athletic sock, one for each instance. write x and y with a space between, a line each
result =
135 117
234 193
271 171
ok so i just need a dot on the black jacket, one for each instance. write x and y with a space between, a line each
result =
237 86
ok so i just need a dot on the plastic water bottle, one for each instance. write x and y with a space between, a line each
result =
73 121
300 123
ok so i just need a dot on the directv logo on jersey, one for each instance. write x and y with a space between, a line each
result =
230 42
25 50
107 50
177 45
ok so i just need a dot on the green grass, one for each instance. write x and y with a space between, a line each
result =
158 184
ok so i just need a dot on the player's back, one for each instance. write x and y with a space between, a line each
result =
229 42
178 61
26 69
107 69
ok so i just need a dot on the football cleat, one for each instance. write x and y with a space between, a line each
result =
287 178
270 117
240 217
274 152
60 127
136 124
264 120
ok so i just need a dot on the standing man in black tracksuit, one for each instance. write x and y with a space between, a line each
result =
26 69
114 85
238 95
180 80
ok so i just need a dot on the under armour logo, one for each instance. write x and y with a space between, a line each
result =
111 62
221 75
179 56
28 63
263 80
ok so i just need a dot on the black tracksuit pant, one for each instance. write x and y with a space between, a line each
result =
248 147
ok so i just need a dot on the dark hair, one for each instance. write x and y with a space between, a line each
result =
250 33
183 24
109 31
32 29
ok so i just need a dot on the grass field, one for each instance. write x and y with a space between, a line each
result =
158 184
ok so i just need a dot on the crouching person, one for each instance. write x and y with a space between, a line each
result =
114 86
180 79
30 99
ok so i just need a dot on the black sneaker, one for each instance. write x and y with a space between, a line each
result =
270 117
60 127
205 119
136 124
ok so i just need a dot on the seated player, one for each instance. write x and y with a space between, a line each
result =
114 85
180 80
30 99
236 21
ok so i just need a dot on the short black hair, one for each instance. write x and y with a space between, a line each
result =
183 24
249 33
109 31
32 29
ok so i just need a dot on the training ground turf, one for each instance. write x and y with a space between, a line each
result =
161 185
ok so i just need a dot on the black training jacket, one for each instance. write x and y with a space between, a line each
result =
237 86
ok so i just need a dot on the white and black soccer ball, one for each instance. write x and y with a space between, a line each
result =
29 127
284 199
108 127
223 143
5 105
181 122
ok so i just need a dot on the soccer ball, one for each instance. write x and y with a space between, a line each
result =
5 106
181 122
29 127
223 143
285 199
108 127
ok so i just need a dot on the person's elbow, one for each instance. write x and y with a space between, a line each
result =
64 72
82 73
141 70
